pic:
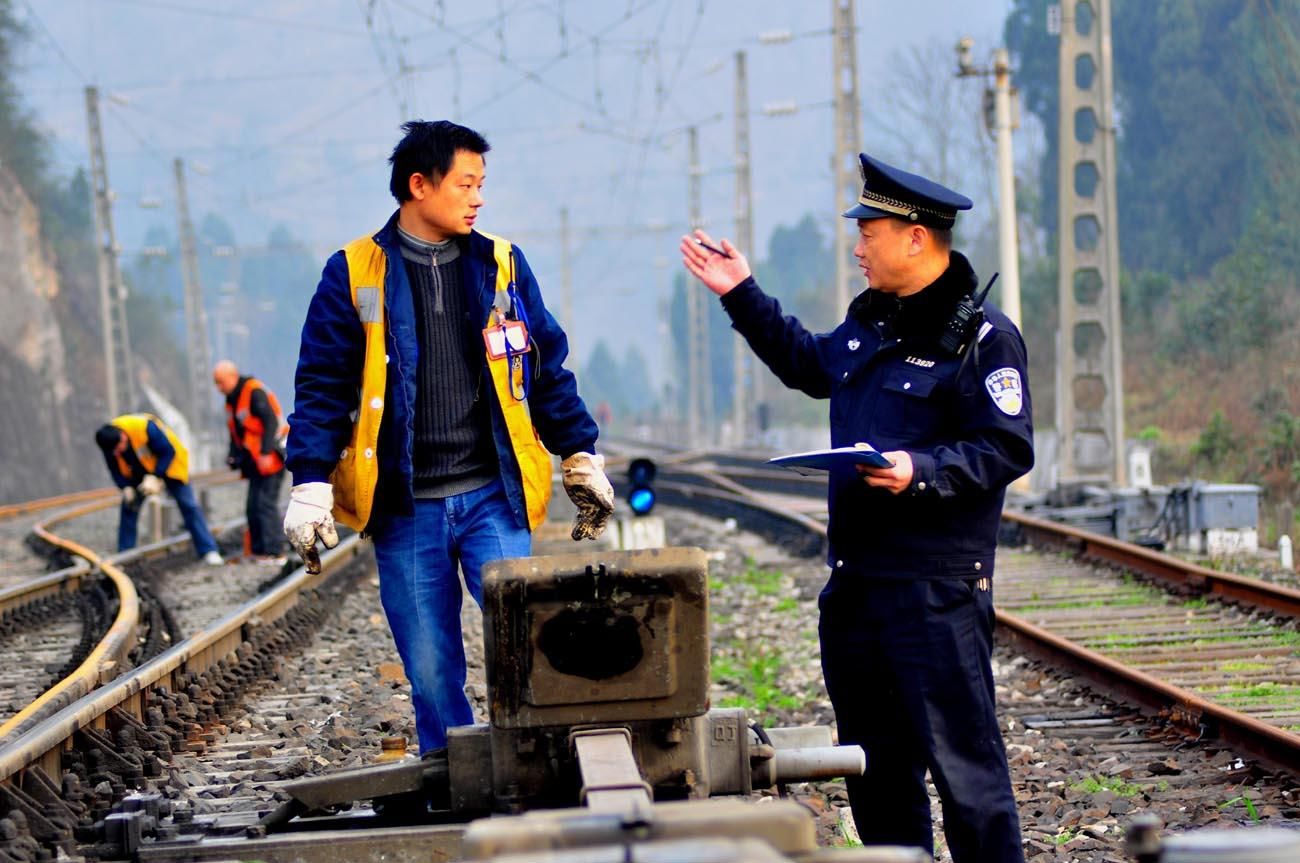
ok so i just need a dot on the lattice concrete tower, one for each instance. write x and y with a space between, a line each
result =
1089 385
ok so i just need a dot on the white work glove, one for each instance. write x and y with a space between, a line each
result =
151 485
128 496
589 489
310 516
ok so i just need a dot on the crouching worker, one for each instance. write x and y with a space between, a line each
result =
429 378
144 456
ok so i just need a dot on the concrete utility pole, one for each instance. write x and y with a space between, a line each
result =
1002 100
112 291
196 326
699 407
566 279
848 140
1004 123
741 385
1089 355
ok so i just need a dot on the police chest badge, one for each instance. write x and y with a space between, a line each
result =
1004 386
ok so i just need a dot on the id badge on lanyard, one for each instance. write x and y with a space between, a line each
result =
508 338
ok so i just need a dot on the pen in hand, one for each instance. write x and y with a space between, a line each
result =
713 249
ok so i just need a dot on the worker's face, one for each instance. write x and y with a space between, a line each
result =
449 208
225 381
885 249
121 445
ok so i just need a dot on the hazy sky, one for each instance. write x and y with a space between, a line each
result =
287 109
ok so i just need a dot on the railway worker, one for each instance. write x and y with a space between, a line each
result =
429 377
144 456
907 612
256 428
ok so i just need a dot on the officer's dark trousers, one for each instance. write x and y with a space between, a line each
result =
262 509
907 665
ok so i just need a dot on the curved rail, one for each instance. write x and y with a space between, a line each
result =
110 655
43 744
111 651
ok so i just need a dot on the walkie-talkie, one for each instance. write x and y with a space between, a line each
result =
963 327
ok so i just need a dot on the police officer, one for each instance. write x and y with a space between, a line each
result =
938 385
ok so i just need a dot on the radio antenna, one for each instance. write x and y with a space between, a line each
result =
979 300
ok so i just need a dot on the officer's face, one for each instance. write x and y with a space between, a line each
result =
882 252
449 208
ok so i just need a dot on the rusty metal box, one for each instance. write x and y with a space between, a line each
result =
599 637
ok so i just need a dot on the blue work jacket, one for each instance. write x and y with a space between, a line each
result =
964 421
330 364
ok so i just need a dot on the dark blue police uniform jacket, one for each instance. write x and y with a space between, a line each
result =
965 421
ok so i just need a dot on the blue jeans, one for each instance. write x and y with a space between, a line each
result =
417 556
127 524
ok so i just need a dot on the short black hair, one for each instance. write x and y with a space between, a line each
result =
942 236
108 436
428 147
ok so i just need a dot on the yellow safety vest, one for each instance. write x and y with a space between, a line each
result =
357 473
136 427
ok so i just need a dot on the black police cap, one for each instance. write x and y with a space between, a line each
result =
888 192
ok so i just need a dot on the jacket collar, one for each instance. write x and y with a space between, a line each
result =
475 245
923 315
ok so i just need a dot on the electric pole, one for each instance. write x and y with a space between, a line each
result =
1008 244
196 324
1089 355
566 278
741 387
112 290
1000 120
699 408
848 139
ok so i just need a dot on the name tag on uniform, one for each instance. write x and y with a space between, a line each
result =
512 332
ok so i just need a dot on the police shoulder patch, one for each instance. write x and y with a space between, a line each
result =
1004 387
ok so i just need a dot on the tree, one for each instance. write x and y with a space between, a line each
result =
602 381
1186 72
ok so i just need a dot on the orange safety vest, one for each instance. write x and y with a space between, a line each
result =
357 473
136 427
239 417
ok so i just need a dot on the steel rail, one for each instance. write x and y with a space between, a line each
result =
12 510
1164 567
43 744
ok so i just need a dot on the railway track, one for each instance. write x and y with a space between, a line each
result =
71 630
1216 652
170 714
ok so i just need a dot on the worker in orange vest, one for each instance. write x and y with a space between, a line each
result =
257 429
